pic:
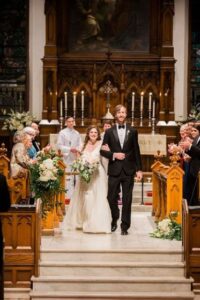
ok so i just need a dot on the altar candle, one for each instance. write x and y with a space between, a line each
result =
61 108
82 100
141 101
150 99
74 100
153 109
65 100
133 101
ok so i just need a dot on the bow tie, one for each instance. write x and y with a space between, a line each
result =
121 126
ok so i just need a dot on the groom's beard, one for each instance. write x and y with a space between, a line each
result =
120 121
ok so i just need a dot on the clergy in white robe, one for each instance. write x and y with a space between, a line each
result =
69 142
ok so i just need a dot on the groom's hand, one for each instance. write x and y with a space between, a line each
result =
119 156
139 175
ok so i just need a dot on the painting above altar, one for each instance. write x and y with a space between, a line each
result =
115 25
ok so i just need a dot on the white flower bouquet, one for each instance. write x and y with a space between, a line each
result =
17 121
85 168
168 228
45 178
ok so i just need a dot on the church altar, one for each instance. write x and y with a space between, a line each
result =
149 143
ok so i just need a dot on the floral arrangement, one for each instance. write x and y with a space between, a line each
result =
195 113
45 178
85 168
168 228
17 121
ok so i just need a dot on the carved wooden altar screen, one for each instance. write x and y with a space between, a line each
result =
134 56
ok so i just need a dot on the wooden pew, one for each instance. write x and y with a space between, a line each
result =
191 242
21 230
167 189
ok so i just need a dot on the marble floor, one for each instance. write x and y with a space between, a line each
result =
138 238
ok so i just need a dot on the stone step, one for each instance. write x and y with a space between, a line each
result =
55 268
137 255
109 284
137 207
16 293
108 296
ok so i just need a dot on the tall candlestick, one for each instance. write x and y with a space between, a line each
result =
153 109
141 101
82 100
133 102
74 101
65 93
150 100
61 108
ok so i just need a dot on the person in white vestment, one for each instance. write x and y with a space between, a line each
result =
89 209
69 142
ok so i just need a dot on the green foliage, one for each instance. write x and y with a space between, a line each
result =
168 228
85 168
45 178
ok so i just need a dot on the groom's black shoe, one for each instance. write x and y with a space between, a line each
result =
124 232
113 226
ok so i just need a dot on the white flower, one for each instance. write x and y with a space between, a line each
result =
48 163
164 225
17 120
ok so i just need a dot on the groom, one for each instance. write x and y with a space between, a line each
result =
120 146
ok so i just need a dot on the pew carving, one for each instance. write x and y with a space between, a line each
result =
167 189
21 230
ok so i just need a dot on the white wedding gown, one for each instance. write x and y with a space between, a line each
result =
89 209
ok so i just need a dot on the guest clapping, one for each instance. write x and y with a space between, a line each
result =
193 150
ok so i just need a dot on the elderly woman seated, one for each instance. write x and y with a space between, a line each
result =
32 133
19 156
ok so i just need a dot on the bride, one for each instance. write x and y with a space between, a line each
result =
89 209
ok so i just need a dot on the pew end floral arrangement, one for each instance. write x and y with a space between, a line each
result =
168 228
85 168
45 178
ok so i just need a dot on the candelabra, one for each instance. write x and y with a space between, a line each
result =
82 117
149 118
141 118
153 125
74 116
132 118
61 122
65 112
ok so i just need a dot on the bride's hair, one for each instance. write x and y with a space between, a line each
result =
87 138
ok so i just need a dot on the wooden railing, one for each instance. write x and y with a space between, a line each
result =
167 190
191 242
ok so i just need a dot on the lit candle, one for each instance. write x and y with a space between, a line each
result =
141 101
153 109
65 93
133 101
150 99
74 100
82 100
61 108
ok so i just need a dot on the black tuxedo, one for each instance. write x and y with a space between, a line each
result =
4 206
122 171
194 153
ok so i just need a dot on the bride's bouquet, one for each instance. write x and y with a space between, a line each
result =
85 168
